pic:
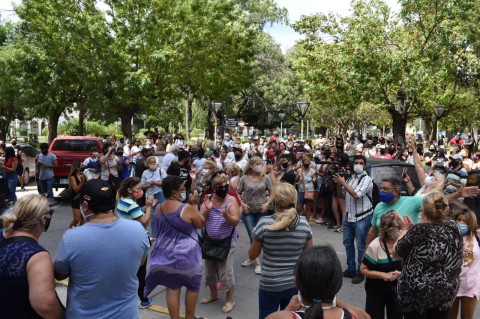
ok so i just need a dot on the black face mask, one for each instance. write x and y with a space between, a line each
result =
222 191
307 165
14 143
382 151
47 224
44 152
238 156
285 165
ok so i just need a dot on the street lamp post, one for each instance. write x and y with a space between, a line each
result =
216 107
302 109
281 115
438 110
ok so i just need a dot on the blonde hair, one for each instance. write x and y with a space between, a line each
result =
253 161
219 180
26 213
435 207
284 197
233 169
209 164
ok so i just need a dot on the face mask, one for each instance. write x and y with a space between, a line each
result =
405 154
306 165
14 143
429 180
152 167
47 224
475 158
284 166
94 155
386 197
238 156
396 234
222 191
463 229
358 169
183 195
138 195
205 171
86 217
257 168
44 152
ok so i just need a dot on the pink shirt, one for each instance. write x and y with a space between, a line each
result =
470 276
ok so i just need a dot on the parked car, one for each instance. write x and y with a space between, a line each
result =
69 149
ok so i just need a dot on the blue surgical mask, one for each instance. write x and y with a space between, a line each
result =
386 197
463 229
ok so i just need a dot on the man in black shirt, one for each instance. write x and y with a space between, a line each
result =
182 169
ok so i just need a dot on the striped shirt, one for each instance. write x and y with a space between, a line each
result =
281 250
357 209
127 208
217 226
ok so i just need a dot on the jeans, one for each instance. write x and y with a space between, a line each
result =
46 187
12 181
358 232
270 301
250 220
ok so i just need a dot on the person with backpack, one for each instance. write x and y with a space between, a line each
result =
358 189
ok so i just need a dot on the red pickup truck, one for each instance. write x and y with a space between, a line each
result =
69 149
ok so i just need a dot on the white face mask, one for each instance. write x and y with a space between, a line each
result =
358 169
257 168
205 171
152 167
94 155
183 195
82 211
429 180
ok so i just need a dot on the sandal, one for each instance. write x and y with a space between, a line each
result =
208 299
229 305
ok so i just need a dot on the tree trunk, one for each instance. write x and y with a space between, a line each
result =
431 128
210 126
188 116
126 120
399 126
81 119
53 126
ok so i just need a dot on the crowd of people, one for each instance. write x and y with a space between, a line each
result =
418 251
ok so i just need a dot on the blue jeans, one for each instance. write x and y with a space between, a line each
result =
12 181
270 301
46 187
358 232
250 221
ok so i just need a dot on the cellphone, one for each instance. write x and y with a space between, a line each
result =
404 172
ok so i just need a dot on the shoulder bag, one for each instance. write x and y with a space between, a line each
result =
310 195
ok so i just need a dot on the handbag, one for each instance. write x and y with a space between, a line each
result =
309 195
216 249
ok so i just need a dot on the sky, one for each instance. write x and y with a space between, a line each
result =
282 34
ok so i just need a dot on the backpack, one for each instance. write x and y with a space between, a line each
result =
375 199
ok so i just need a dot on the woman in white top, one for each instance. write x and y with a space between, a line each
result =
152 179
110 163
306 177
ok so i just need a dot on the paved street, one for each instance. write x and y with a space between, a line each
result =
246 289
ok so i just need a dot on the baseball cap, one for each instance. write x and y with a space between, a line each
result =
99 195
457 157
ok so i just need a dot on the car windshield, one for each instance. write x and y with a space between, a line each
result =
74 145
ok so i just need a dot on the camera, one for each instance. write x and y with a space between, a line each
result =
339 170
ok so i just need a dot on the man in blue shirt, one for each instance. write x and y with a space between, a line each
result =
101 258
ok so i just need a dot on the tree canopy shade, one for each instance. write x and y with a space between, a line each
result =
373 55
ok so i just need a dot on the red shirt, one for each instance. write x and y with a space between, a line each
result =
9 164
454 141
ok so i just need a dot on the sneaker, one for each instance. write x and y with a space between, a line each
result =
349 274
248 262
357 279
338 230
146 304
258 269
320 221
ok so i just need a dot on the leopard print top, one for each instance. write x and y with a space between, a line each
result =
431 267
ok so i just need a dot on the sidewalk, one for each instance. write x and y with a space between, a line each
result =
153 312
